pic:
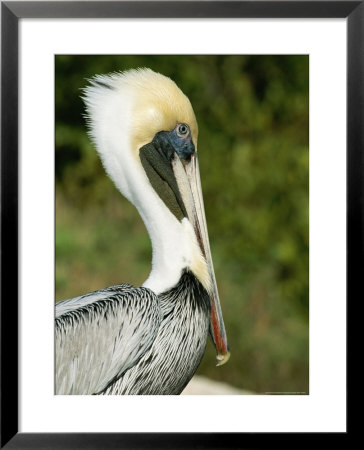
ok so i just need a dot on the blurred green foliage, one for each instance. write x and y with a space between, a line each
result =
253 152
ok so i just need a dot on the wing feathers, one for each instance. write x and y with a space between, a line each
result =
102 334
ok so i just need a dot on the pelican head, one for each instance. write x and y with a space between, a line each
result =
145 132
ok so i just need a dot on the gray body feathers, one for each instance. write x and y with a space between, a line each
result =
102 334
126 340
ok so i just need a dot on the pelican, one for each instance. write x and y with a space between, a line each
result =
148 340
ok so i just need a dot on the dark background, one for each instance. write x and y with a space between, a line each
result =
253 117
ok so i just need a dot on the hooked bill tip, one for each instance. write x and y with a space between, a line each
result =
222 359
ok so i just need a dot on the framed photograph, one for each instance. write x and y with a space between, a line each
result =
276 88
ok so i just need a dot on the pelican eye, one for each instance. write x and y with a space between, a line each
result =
182 130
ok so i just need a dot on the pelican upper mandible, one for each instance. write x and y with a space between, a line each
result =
149 339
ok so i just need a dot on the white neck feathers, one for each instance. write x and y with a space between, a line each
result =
110 102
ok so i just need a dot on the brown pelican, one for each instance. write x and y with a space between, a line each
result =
149 339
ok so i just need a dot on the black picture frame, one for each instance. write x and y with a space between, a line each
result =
11 12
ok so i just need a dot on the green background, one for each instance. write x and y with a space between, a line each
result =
252 113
